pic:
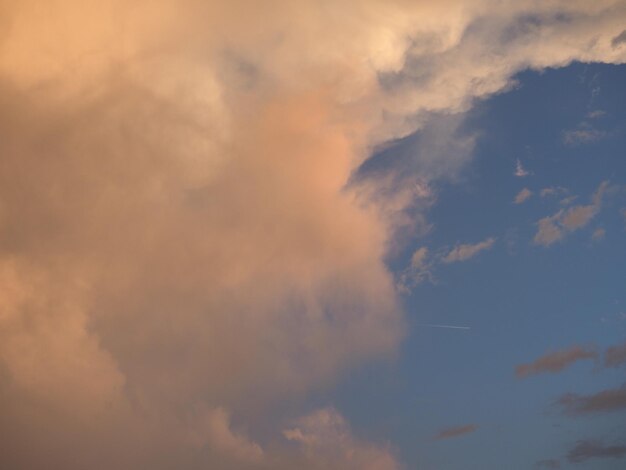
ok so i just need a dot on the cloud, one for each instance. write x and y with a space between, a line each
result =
598 113
582 136
467 251
327 442
619 39
553 191
217 433
598 234
566 201
605 401
523 195
554 228
548 463
418 271
615 356
178 220
593 449
520 171
549 230
554 362
456 431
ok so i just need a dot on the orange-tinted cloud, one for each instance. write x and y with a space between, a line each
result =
456 431
178 244
555 361
593 449
604 401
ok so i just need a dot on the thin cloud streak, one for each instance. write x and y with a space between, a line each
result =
456 431
446 326
554 362
593 449
601 402
467 251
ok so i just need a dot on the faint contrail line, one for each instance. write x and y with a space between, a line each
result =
447 326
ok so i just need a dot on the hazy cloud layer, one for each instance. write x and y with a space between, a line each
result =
592 449
605 401
555 361
176 228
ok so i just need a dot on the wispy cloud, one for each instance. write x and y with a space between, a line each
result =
520 171
554 362
596 114
604 401
554 228
467 251
598 234
548 463
418 271
523 195
582 136
553 191
456 431
594 449
615 356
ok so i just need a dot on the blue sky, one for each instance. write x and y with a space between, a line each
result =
521 300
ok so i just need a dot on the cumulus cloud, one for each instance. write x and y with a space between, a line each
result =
593 449
615 356
523 195
554 362
456 431
467 251
328 442
217 433
555 227
605 401
177 226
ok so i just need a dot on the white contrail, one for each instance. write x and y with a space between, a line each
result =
447 326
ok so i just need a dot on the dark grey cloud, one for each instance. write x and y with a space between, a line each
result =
555 361
619 39
592 449
606 400
456 431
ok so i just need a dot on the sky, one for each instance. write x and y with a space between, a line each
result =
348 235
